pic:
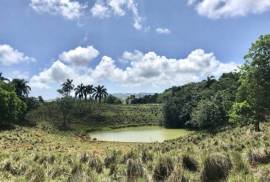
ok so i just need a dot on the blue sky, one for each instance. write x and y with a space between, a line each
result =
127 45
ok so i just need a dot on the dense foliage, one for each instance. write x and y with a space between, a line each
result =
203 105
147 99
253 96
12 107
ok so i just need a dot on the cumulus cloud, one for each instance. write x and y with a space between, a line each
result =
66 67
163 30
151 69
144 70
108 8
10 56
80 56
69 9
229 8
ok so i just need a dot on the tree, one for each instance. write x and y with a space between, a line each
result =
40 99
210 80
100 92
67 87
12 107
3 78
80 91
22 88
66 105
210 114
112 100
88 91
255 80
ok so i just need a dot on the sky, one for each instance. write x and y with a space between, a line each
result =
130 46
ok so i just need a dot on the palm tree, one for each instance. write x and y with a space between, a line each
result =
89 90
100 92
3 78
209 81
79 91
21 87
67 87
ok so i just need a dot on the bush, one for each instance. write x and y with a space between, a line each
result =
134 169
147 156
12 107
163 168
209 114
259 156
111 159
96 163
216 168
190 163
241 112
177 176
36 175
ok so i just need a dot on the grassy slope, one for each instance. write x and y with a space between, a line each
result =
87 116
43 154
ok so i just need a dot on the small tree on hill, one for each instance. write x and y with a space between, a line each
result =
66 105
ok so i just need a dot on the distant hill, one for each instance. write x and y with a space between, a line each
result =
123 96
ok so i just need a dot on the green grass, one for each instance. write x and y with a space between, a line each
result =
92 116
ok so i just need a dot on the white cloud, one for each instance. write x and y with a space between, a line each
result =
70 9
101 11
153 70
107 8
163 30
10 56
148 70
80 56
132 56
58 72
229 8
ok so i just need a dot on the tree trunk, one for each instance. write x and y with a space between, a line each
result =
64 120
99 99
257 126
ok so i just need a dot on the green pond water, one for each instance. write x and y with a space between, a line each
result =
144 134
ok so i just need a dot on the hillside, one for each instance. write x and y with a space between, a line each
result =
88 116
42 154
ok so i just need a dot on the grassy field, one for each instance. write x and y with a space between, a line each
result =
91 116
42 153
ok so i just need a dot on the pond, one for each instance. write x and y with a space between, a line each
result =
145 134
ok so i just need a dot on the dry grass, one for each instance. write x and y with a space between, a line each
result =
38 154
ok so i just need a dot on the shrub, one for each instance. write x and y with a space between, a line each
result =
209 114
78 174
134 169
12 107
163 168
189 163
259 156
111 159
177 176
84 157
130 155
95 163
37 174
147 156
239 164
216 168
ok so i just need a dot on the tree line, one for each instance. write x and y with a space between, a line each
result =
241 97
14 100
